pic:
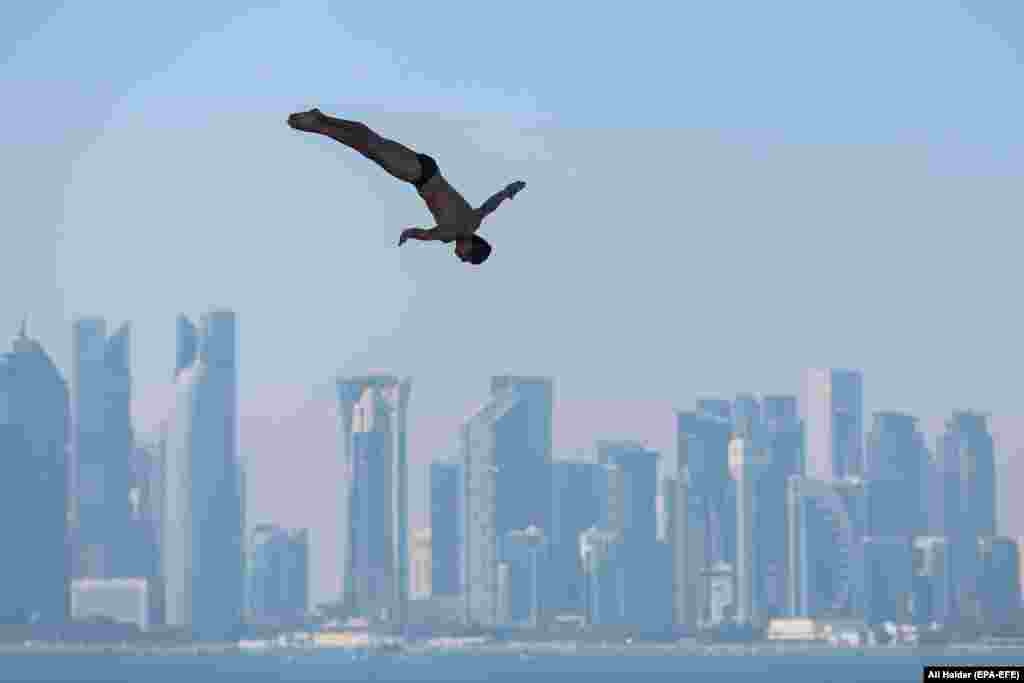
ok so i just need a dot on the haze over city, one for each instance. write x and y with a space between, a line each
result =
705 215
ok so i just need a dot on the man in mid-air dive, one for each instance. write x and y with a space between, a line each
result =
456 220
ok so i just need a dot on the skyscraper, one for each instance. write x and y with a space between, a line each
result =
821 538
447 527
34 486
896 472
523 453
967 473
784 432
888 579
629 512
703 443
933 581
686 548
147 510
783 441
103 444
575 507
748 461
203 521
638 466
833 412
999 586
278 574
374 412
479 451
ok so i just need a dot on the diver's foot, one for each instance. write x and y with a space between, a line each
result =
311 121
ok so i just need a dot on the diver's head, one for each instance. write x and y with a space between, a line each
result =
473 249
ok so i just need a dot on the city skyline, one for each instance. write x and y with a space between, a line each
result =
740 493
326 532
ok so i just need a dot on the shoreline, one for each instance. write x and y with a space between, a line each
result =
522 649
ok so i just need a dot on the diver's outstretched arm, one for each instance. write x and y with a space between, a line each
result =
394 157
509 192
440 233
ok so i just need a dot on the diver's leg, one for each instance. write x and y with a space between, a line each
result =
395 158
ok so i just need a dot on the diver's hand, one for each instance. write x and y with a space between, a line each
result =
514 188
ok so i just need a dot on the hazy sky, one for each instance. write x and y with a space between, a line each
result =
719 194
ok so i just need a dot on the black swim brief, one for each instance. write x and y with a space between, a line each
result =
428 169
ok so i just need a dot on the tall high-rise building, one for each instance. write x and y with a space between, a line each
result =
783 441
102 450
34 486
833 406
447 527
888 579
968 499
575 507
203 523
821 563
374 413
147 509
278 574
897 477
635 479
784 433
629 512
478 451
523 452
685 542
749 460
933 588
703 444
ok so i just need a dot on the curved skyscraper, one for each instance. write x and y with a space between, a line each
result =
375 572
479 452
203 520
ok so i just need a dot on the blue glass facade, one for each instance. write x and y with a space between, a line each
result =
447 489
576 502
522 454
278 574
34 477
888 579
102 446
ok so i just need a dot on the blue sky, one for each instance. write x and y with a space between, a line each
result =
720 194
